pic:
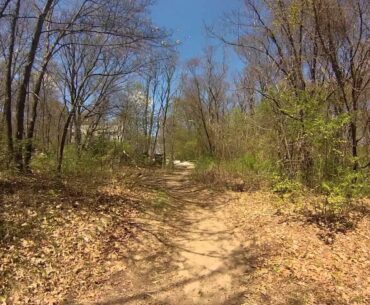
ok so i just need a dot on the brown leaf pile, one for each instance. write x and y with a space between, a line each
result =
56 236
300 267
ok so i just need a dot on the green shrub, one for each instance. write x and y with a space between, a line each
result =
43 162
340 194
205 163
286 186
206 170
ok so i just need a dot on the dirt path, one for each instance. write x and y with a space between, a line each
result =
193 246
188 253
160 239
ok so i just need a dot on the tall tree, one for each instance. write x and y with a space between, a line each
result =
24 84
9 79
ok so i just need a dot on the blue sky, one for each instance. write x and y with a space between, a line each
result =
186 19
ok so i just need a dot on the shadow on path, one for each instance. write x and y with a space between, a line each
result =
183 253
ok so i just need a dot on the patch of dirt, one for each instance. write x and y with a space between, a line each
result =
189 254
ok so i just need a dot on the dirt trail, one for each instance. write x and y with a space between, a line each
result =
193 246
188 255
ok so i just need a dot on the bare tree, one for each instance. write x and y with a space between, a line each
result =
343 39
206 87
52 46
24 84
167 95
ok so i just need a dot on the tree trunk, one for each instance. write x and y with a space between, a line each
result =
8 85
32 123
353 131
21 101
78 133
165 120
63 141
36 100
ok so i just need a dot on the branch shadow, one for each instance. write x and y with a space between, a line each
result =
248 260
162 255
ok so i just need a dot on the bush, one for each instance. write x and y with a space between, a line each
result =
287 186
340 194
206 171
43 162
100 155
